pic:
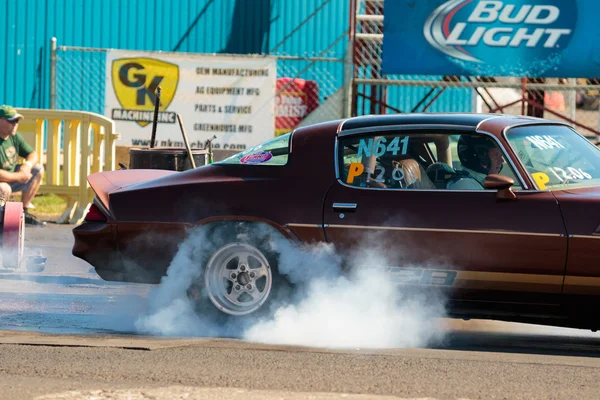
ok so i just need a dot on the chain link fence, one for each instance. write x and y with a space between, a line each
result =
575 101
322 86
309 88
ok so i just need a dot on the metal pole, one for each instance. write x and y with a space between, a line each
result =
157 101
185 140
571 98
347 85
464 84
53 73
434 99
208 145
353 56
480 97
423 100
370 9
599 118
524 94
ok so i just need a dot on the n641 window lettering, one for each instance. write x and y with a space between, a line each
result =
379 146
545 142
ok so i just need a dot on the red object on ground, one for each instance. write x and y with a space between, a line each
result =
13 234
294 103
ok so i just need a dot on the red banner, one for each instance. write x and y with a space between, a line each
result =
295 102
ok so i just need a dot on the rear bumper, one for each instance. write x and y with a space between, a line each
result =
96 243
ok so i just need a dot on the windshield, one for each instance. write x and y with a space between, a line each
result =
556 157
273 152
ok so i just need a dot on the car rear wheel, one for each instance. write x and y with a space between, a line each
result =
238 279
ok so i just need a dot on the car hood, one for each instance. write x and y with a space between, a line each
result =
592 192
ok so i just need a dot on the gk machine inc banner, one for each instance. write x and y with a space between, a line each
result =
524 38
230 97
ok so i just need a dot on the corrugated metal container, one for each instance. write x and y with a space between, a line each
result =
199 26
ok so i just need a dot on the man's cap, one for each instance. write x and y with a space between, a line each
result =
9 113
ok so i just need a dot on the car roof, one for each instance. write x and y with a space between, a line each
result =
367 121
455 119
491 123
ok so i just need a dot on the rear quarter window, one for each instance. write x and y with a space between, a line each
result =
274 152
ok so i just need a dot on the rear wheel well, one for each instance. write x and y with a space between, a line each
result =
257 233
245 224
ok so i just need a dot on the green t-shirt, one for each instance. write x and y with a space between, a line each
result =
11 149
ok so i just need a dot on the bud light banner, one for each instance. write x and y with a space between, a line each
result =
524 38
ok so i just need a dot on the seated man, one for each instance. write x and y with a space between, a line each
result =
479 156
26 177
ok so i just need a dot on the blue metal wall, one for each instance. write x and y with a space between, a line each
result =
199 26
203 26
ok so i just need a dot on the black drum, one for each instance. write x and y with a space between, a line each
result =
173 159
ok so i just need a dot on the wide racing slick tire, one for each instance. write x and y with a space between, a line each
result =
239 278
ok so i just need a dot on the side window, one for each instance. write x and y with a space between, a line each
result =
421 161
273 152
474 157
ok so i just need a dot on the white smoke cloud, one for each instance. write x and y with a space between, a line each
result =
170 312
364 312
330 307
361 308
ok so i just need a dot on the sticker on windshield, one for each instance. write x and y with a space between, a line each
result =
378 175
398 175
544 142
378 147
541 179
257 158
355 170
570 173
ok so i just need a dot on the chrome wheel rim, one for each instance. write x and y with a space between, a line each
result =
238 279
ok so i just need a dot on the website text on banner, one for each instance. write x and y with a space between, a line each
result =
524 38
227 96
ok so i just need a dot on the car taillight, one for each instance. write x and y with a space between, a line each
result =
94 214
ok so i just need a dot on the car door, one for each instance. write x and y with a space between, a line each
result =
472 242
579 207
568 165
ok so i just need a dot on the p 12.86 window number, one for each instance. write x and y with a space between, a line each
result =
398 174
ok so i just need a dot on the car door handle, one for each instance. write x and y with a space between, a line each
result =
344 207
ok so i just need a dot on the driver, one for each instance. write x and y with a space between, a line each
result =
479 156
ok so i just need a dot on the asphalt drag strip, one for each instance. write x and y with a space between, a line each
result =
67 297
120 367
65 334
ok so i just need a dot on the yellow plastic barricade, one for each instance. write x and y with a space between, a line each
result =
77 143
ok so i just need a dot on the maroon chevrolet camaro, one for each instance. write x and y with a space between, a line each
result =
500 213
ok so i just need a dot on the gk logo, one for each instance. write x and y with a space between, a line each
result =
139 82
135 81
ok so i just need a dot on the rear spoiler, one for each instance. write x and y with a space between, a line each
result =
105 183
